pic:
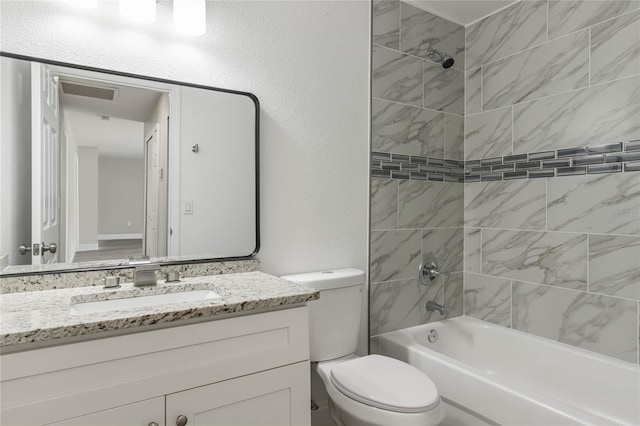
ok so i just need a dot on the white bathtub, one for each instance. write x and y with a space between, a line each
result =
489 374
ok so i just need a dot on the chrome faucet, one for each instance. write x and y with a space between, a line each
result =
433 306
146 275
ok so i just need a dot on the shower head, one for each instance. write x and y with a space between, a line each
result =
447 62
444 59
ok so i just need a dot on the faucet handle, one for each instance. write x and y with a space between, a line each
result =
428 269
111 282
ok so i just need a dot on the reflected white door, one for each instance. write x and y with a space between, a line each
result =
152 178
45 163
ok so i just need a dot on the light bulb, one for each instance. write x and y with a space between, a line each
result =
143 11
190 16
83 4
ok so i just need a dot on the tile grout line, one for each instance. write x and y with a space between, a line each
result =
422 76
426 228
513 150
481 90
411 55
511 55
612 296
547 22
546 205
511 297
415 106
588 264
563 93
550 232
400 26
590 47
398 206
597 23
481 251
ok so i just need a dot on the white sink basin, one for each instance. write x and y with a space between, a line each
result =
83 308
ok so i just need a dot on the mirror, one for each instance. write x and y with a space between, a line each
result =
100 166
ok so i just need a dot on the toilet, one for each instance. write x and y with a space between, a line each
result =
371 390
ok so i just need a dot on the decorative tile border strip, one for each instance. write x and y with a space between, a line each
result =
415 167
609 158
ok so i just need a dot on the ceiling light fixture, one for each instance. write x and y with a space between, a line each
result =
143 11
190 16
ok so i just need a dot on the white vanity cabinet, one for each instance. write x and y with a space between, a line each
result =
246 370
139 413
271 398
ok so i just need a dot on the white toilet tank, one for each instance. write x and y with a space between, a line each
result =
334 319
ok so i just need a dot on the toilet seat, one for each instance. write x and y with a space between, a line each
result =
385 383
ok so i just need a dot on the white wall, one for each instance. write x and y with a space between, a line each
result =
120 196
87 198
15 160
307 62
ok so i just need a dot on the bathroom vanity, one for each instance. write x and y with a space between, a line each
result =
240 355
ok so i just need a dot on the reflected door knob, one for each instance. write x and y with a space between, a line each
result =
24 249
181 420
51 248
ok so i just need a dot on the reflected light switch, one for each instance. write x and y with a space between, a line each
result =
188 207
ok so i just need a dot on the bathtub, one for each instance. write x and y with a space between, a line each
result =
487 374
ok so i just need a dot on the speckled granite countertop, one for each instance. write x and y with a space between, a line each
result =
42 316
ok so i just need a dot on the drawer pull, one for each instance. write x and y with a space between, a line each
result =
181 420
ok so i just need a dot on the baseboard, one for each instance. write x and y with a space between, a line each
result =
87 247
120 237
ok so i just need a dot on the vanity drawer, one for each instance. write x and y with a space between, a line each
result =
81 378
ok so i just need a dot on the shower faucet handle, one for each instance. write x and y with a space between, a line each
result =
428 269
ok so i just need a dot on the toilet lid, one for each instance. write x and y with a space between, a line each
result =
385 383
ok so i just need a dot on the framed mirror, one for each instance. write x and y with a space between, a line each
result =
99 166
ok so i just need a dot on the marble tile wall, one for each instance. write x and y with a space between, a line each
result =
556 257
417 111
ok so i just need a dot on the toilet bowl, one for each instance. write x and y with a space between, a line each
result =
372 390
380 391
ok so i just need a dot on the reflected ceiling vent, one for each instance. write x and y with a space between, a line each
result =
104 93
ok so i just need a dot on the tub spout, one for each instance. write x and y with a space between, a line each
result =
433 306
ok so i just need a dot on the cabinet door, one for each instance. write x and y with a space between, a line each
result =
143 413
275 397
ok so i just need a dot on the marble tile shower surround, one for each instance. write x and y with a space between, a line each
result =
418 165
401 304
555 255
549 88
551 68
568 16
422 32
506 32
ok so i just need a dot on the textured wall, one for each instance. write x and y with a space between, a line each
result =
307 62
87 198
557 257
417 110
